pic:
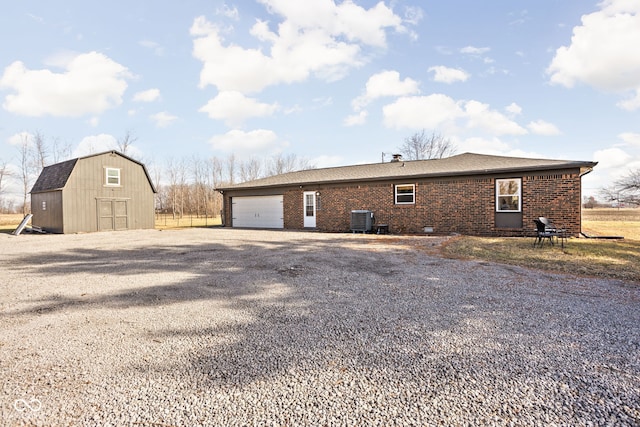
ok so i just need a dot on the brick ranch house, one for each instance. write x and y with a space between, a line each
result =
469 193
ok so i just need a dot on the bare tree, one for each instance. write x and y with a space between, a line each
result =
172 193
231 169
624 190
250 169
421 146
4 173
25 165
40 152
60 151
281 163
125 142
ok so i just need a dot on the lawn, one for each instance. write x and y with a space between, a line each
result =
592 257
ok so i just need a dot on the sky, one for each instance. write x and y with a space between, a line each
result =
334 82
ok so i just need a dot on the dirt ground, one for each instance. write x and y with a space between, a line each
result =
171 327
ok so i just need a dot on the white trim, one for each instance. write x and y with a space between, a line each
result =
413 194
506 196
309 220
107 176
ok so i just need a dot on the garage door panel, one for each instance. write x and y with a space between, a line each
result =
258 212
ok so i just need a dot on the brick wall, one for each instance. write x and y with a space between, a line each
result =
460 205
464 205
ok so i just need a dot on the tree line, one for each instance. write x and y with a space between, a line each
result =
184 186
187 186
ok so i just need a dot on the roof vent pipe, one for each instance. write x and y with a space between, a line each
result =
396 157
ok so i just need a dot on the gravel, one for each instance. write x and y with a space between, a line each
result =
230 327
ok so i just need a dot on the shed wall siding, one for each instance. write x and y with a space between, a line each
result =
49 219
463 205
87 184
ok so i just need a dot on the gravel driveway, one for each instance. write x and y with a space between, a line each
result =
237 327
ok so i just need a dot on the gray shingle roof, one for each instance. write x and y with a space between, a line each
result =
462 164
54 177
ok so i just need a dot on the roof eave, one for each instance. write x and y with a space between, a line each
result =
47 190
570 165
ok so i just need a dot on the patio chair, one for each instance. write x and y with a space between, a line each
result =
542 234
545 229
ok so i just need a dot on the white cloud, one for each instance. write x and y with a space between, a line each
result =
163 119
630 138
320 38
438 111
476 51
385 83
234 108
157 49
603 52
480 116
149 95
229 12
611 158
413 15
90 84
631 103
95 144
540 127
415 112
94 121
19 138
356 119
444 74
513 109
252 142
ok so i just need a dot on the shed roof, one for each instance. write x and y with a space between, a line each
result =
462 164
54 177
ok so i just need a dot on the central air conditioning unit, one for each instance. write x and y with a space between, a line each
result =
361 221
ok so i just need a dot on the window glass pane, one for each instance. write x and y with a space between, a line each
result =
508 195
113 176
309 205
405 193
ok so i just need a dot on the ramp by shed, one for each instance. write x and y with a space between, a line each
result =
22 225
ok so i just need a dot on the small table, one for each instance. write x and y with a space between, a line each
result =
381 228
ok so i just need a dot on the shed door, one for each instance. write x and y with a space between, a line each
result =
257 212
113 215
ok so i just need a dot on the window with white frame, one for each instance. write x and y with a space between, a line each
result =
113 176
405 194
509 195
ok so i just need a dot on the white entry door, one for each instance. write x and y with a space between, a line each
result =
309 209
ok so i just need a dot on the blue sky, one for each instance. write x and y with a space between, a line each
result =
335 82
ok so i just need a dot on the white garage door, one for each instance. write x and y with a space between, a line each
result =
258 212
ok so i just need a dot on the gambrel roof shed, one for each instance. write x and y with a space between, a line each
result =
54 177
103 191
